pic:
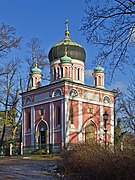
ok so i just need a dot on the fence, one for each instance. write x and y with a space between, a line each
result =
11 149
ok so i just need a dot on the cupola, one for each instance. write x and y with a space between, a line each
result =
99 76
36 70
67 60
75 50
99 69
36 75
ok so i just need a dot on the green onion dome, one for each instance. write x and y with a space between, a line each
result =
65 59
75 50
36 70
99 69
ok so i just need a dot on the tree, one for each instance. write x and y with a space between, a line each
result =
9 99
8 39
118 96
110 24
128 110
118 133
11 84
124 107
36 54
8 90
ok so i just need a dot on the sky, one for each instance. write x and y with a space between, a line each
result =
46 20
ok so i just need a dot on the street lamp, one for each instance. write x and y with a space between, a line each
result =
105 118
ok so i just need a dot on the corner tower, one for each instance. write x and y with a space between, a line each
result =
99 76
67 60
36 75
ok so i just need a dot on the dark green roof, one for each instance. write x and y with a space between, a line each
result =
75 50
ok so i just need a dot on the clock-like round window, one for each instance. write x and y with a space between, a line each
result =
106 99
73 93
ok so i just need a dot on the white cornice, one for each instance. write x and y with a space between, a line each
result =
57 98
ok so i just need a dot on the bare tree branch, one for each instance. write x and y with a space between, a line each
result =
111 26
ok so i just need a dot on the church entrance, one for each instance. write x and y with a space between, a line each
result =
90 133
42 134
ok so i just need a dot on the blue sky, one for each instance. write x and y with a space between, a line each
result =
46 20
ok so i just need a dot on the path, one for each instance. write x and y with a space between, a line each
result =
25 169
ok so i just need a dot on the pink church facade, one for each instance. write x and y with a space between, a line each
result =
67 111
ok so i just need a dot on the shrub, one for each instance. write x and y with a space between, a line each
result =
95 162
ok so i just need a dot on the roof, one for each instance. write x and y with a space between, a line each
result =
36 70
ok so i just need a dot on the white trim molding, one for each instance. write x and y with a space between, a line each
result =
32 125
112 126
80 121
101 124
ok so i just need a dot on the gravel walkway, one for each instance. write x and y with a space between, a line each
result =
26 168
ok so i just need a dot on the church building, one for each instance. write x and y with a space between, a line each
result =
67 111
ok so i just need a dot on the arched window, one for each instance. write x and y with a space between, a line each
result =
42 133
95 81
72 115
28 121
90 133
78 74
58 70
61 71
28 100
32 82
58 115
36 81
57 92
66 72
100 81
54 74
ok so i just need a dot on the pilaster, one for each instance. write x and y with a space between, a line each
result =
101 124
23 127
32 125
51 123
112 125
80 121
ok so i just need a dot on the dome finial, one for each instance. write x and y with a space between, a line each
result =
99 69
67 32
99 61
36 65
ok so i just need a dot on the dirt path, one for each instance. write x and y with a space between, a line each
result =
29 169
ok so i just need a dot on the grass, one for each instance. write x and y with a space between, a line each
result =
52 156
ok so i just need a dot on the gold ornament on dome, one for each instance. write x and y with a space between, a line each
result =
67 31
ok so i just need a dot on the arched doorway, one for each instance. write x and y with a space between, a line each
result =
90 133
42 134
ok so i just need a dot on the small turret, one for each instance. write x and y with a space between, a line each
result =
65 58
36 75
99 76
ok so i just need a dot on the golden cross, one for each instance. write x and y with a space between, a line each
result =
67 21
